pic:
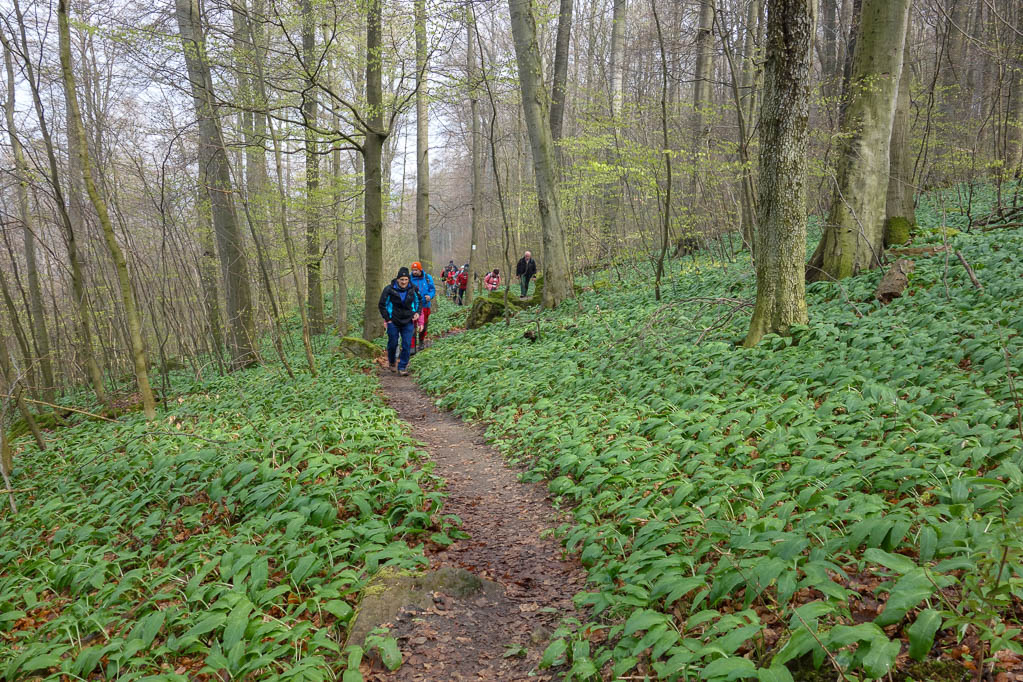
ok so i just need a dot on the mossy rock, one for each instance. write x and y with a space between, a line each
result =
360 348
898 230
489 307
391 590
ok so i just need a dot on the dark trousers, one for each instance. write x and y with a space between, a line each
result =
461 295
524 283
399 332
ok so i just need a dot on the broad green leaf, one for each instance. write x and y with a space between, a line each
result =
895 562
554 653
907 593
729 668
643 619
776 673
921 633
881 657
390 654
206 624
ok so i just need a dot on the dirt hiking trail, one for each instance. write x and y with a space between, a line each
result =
467 638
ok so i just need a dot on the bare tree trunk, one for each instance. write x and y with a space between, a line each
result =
372 152
422 142
310 111
900 211
476 152
618 13
131 312
208 275
14 391
557 276
704 72
781 215
666 207
67 225
558 87
854 232
37 315
216 179
829 29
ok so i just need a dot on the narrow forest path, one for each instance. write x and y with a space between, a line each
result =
468 639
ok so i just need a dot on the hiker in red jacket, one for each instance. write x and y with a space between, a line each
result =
463 283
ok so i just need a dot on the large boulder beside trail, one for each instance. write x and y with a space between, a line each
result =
392 590
489 307
360 348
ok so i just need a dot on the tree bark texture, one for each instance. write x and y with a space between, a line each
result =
422 141
559 88
899 202
702 76
781 214
854 231
310 112
476 151
215 177
373 154
617 68
557 275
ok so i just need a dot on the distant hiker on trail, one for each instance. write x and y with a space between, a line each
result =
400 304
492 280
463 283
451 280
525 270
424 282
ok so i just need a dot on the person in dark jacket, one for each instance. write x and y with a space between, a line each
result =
400 304
525 270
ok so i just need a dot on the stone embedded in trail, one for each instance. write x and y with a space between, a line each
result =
392 590
360 348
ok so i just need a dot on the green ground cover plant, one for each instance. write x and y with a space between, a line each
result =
850 498
233 536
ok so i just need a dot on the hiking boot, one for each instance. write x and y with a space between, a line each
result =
403 372
393 367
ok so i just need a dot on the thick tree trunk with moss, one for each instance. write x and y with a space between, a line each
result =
216 180
422 142
781 213
372 154
557 275
131 313
900 211
853 236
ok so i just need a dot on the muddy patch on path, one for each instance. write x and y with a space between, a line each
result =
489 636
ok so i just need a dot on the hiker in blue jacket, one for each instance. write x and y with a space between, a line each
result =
424 282
400 305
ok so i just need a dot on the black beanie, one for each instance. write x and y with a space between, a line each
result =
402 272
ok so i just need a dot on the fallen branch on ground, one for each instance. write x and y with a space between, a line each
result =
969 271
